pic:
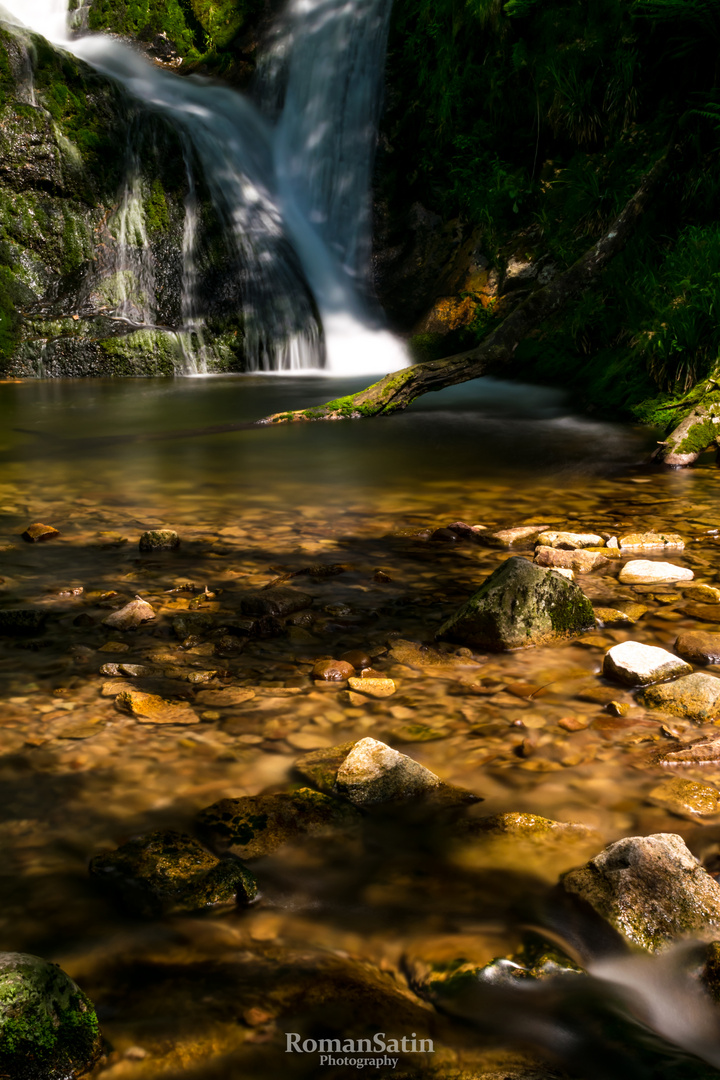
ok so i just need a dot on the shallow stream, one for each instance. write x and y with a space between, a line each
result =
338 927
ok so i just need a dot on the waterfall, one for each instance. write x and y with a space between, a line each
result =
289 176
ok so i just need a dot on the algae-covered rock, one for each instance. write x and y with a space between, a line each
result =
651 889
518 606
164 873
48 1027
258 824
159 540
695 696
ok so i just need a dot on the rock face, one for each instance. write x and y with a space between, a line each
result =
695 696
698 646
518 606
258 824
646 572
166 872
651 889
48 1026
637 665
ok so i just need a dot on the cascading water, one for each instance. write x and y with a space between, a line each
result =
292 190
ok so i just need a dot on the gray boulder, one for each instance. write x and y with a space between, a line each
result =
518 606
651 889
48 1027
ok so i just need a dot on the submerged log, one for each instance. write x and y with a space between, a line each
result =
397 390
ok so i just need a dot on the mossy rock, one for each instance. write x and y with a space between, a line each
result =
48 1027
520 605
164 873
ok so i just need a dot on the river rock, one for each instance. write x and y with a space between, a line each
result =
699 646
651 541
582 562
48 1027
651 889
151 709
332 670
695 696
167 872
645 572
570 541
369 772
277 601
19 622
519 536
357 658
134 614
705 752
192 623
707 594
258 824
520 605
627 616
415 655
373 687
467 532
228 697
39 533
686 797
636 664
703 612
159 540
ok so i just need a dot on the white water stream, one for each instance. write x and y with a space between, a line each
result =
291 184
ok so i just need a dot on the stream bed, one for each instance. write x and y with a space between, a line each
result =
340 928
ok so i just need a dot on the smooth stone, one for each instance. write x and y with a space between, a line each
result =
151 709
375 773
703 612
256 825
520 535
132 615
652 542
332 670
159 540
357 658
636 664
168 872
686 796
467 532
415 655
626 616
650 889
699 646
39 533
276 601
582 562
48 1026
644 571
19 622
695 696
703 593
227 697
571 541
377 688
518 606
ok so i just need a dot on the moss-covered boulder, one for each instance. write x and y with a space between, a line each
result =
518 606
258 824
163 873
650 889
48 1027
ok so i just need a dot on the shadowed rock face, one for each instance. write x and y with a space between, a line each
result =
651 889
518 606
48 1026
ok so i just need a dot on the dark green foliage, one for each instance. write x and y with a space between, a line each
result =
9 316
144 19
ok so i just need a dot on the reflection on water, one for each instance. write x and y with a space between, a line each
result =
337 928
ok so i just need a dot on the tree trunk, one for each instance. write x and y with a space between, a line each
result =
397 390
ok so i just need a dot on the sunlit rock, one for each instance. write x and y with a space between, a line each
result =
690 798
151 709
651 889
699 646
636 664
646 572
132 615
582 562
570 541
39 533
695 696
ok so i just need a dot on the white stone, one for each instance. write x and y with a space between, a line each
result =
637 665
646 572
569 540
373 772
565 571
